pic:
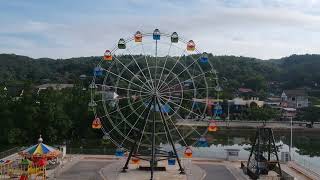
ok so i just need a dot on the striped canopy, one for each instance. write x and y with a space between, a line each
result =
40 150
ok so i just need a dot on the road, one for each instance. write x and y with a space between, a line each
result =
84 170
249 124
216 172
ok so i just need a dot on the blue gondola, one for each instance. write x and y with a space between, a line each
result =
156 34
217 111
165 108
97 71
119 152
172 161
204 58
195 105
202 142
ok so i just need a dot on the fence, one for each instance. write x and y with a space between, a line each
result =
9 152
307 164
94 151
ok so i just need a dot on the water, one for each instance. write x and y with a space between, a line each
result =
306 145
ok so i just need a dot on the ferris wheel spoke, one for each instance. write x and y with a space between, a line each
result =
132 127
145 57
134 75
184 108
172 68
182 118
118 109
113 141
125 119
173 125
165 62
183 70
192 78
148 90
168 97
156 68
117 87
144 127
192 89
140 68
120 98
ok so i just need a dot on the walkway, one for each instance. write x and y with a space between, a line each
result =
85 170
216 172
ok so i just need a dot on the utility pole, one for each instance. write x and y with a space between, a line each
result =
290 148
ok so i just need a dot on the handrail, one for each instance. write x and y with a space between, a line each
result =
9 152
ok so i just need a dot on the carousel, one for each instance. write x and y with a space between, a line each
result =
37 159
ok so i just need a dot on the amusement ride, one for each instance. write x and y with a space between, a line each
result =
146 92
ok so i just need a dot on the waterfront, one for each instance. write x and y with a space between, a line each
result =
306 145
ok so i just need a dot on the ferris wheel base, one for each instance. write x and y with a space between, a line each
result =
145 175
191 171
148 168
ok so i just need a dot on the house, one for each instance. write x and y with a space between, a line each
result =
296 98
273 102
241 102
288 113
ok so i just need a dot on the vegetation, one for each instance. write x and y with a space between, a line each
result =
57 115
61 115
234 72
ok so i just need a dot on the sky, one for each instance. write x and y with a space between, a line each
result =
72 28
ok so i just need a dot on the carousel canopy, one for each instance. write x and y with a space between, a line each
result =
41 150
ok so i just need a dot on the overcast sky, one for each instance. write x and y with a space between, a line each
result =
71 28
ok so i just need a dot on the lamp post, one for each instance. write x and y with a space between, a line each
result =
228 117
290 148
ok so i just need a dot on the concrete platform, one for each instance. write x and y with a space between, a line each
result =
104 167
84 170
113 171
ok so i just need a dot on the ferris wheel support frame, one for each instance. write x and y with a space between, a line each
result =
155 102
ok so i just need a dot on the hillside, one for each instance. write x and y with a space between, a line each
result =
289 72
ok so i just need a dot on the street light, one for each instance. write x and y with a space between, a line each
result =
290 148
228 117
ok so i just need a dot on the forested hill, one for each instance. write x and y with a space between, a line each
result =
290 72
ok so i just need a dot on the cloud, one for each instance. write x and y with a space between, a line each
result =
261 28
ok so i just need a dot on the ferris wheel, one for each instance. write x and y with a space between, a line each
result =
148 90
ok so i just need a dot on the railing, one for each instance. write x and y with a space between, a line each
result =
9 152
307 164
104 151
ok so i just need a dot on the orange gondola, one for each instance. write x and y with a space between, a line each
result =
191 46
212 126
188 153
138 37
96 124
135 160
107 55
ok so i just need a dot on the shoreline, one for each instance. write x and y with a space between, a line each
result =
252 125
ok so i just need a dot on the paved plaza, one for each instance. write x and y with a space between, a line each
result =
84 170
110 169
104 167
